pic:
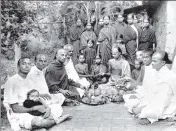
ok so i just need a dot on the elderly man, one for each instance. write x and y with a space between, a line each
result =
15 93
161 99
57 78
37 77
71 71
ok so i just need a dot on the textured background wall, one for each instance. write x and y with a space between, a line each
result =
165 25
159 20
171 29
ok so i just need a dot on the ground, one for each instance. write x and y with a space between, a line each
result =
108 117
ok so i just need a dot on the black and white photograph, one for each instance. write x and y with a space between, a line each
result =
88 65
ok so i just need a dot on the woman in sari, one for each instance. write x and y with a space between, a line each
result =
106 38
131 34
75 34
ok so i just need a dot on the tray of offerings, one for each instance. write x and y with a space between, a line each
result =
94 100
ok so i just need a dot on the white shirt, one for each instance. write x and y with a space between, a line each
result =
38 80
16 89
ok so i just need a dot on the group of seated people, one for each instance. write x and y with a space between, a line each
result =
34 96
153 95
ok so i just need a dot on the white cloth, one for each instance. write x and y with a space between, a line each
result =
124 67
15 91
162 97
141 90
72 74
37 78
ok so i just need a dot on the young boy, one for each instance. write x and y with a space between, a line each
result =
81 67
135 73
33 99
90 54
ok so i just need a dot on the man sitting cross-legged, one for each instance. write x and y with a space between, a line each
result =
57 78
133 98
161 99
15 93
38 79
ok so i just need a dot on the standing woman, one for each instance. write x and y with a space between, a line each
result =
131 34
75 34
106 37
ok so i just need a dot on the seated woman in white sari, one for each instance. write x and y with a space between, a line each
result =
71 71
142 84
161 98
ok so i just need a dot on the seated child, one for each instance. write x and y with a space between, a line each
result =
135 73
90 54
81 67
33 99
97 70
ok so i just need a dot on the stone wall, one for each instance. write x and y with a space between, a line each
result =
171 29
159 23
165 24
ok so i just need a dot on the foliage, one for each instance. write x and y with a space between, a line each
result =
14 24
43 25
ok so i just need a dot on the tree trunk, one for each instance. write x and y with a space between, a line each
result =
17 54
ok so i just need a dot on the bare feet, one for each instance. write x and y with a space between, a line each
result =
143 121
63 118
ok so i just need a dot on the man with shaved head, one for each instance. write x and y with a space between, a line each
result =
15 93
37 77
57 78
161 99
71 71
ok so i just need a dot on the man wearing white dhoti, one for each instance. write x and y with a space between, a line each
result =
37 78
161 99
142 84
15 93
71 71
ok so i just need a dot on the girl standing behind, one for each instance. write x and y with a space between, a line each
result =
90 54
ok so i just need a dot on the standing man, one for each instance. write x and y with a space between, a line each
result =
106 38
147 39
120 25
75 34
100 26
